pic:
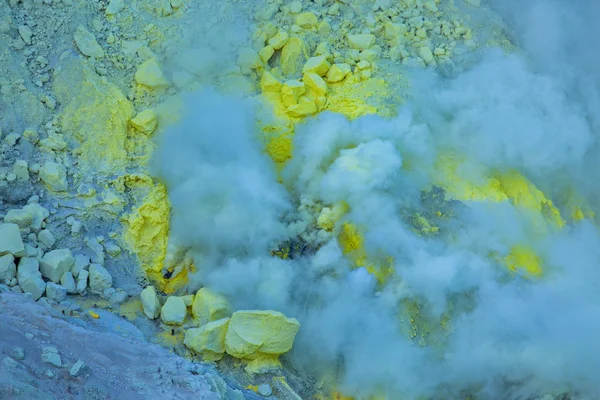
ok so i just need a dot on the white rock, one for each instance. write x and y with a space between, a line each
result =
19 217
68 282
10 239
50 355
55 263
173 312
76 368
55 292
100 279
21 170
8 269
82 281
114 7
38 213
30 278
46 238
265 390
18 353
81 262
118 297
150 302
86 43
25 33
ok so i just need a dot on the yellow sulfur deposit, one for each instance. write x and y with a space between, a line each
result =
146 231
96 115
208 340
260 337
525 259
329 216
209 306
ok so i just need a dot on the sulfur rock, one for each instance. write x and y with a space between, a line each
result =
38 214
426 55
269 83
316 83
260 337
82 281
54 176
319 65
173 312
68 282
114 7
55 263
150 302
208 340
10 239
293 56
338 72
150 74
209 306
302 109
266 53
54 143
145 121
279 40
291 92
86 43
361 41
307 20
46 238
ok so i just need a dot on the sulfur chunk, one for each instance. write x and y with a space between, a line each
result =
302 109
54 176
209 306
173 312
149 74
87 44
150 302
10 239
279 40
266 53
426 54
145 121
291 91
394 30
114 7
293 56
368 55
268 83
307 20
260 336
319 65
316 83
361 41
338 72
208 340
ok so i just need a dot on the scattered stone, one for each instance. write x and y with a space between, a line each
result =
265 390
55 292
150 74
50 355
86 43
188 300
208 340
209 306
28 336
118 297
112 249
16 289
10 239
8 269
145 121
38 214
114 7
21 170
46 238
100 279
19 217
173 312
76 368
68 282
150 302
18 353
81 262
82 281
54 176
55 263
54 143
30 278
25 33
361 41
